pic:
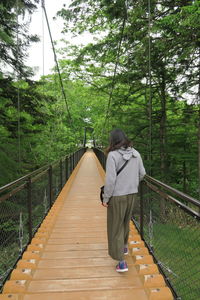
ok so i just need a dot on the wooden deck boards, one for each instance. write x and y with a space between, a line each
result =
70 259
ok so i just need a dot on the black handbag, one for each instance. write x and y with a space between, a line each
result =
102 187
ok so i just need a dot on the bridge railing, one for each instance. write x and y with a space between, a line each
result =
23 205
169 223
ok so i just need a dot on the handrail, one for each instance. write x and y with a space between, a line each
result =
173 190
168 221
10 184
25 177
25 202
174 200
13 192
159 183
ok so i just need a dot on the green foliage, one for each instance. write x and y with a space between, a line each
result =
170 129
113 68
14 37
34 128
107 85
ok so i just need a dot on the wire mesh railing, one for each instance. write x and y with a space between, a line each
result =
23 205
169 223
101 157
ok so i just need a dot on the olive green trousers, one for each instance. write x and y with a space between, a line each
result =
119 213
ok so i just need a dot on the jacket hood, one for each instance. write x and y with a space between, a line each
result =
128 153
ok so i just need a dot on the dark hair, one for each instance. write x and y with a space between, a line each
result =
118 139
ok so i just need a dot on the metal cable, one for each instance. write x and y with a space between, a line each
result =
21 232
150 225
164 266
56 61
150 84
43 64
18 94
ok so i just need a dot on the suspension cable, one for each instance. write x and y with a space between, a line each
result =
151 224
43 63
18 95
150 84
115 71
56 62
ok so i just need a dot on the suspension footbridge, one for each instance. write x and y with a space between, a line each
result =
66 256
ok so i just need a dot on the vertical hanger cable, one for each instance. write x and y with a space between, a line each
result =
150 84
18 95
43 46
57 66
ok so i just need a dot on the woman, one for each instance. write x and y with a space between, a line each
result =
119 193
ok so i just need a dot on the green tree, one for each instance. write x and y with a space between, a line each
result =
14 36
118 64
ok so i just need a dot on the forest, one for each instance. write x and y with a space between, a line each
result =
140 73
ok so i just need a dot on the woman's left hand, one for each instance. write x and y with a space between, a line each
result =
105 204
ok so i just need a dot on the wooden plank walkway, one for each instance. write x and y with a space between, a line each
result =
68 259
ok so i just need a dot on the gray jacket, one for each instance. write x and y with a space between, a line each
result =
127 181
